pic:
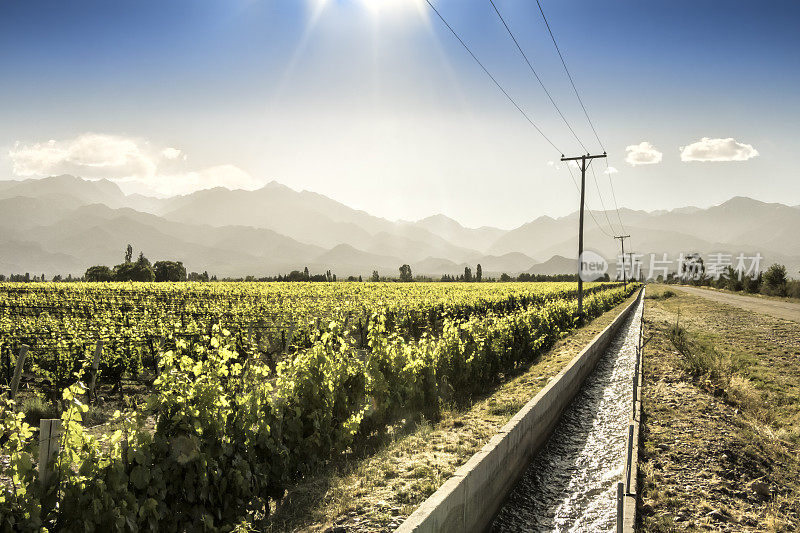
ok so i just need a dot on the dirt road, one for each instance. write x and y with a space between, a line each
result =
785 310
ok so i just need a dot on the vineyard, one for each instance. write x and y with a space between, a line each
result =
236 390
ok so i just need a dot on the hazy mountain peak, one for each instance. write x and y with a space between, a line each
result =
67 185
740 201
689 209
441 221
558 264
276 185
277 229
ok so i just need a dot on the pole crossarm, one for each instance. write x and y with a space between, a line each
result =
580 157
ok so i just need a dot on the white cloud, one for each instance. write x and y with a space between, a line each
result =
134 163
89 155
643 153
707 149
610 170
173 153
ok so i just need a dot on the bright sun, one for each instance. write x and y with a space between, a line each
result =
392 5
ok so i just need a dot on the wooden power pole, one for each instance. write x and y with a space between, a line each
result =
622 242
585 161
633 266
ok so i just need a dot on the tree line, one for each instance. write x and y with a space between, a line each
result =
772 282
143 270
139 270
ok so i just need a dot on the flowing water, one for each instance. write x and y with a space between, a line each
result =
571 484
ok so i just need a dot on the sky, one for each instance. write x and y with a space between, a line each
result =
374 103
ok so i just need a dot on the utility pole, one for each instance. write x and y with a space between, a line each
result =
633 266
622 242
585 161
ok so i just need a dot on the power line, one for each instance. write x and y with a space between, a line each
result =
585 112
602 203
561 114
533 70
492 77
614 196
604 232
524 114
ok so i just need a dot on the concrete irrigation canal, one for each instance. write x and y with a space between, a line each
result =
571 485
559 462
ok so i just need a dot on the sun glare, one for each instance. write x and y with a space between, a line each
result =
388 7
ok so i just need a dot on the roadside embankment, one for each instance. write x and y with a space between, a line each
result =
721 417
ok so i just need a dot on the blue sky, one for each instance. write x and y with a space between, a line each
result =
374 103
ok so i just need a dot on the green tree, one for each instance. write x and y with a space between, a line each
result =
775 280
138 271
169 271
98 273
732 279
467 274
405 273
134 272
128 253
478 273
375 276
753 284
505 277
194 276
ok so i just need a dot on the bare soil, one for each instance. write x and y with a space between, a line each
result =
721 418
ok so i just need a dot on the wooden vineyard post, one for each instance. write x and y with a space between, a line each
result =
287 341
124 449
161 343
98 350
23 351
49 442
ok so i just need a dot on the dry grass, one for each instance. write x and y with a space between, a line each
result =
721 419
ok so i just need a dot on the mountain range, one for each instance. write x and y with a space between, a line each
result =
64 224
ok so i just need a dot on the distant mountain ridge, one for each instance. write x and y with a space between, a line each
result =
64 224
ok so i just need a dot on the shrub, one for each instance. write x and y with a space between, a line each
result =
775 281
793 289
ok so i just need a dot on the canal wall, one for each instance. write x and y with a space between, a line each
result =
469 500
628 489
